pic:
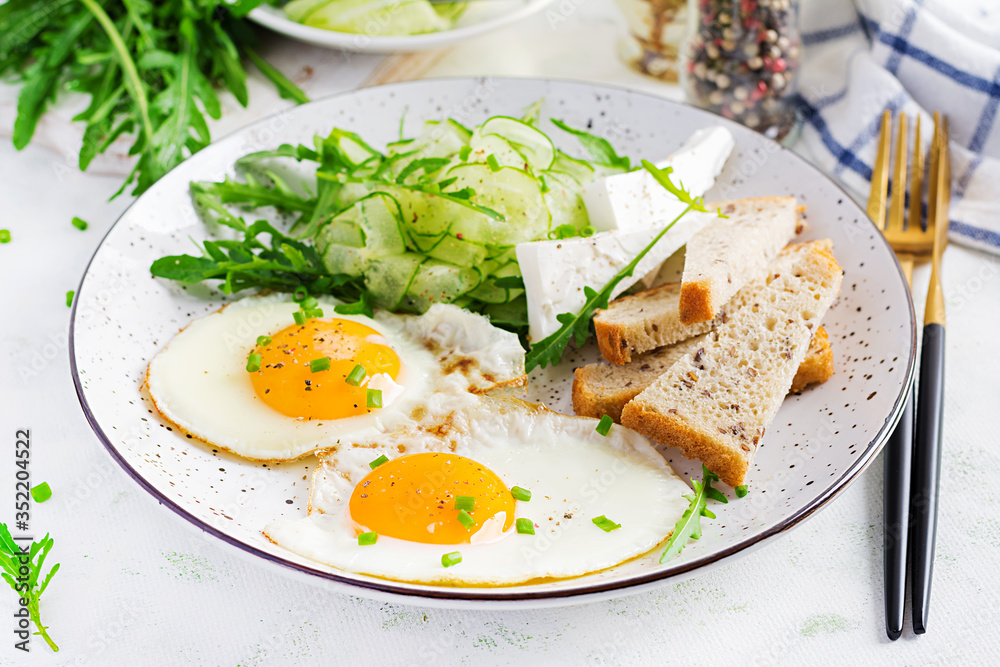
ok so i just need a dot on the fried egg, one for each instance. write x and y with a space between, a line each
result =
301 395
595 501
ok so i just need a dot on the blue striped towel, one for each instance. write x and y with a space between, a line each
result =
915 56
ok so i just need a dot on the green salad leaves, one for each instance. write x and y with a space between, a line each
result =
689 525
23 571
150 69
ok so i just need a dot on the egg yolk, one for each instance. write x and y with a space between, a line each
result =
287 383
413 498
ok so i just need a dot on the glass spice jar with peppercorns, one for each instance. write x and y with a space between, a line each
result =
740 60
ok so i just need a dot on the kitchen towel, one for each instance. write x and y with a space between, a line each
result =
910 56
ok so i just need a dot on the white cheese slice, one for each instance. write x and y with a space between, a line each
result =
635 200
555 272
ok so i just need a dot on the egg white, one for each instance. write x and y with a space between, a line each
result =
200 383
574 473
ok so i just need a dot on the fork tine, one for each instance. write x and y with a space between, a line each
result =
932 172
896 207
916 182
880 174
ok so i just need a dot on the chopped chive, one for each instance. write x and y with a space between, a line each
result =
80 223
356 375
606 524
525 526
364 539
492 162
69 298
299 317
263 340
466 519
308 302
379 461
742 490
321 364
464 152
4 236
454 558
520 493
314 312
604 426
253 363
299 294
467 503
41 492
374 398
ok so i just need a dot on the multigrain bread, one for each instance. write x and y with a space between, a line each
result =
730 253
604 389
715 403
646 321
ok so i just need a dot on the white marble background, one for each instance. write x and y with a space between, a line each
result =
139 586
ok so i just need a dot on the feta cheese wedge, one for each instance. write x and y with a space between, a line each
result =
555 272
635 200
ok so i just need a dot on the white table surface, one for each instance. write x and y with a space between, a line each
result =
139 586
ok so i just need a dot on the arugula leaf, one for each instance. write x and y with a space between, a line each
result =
12 560
577 327
689 525
148 67
600 149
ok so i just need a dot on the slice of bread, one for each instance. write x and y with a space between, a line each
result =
714 404
646 321
604 389
727 255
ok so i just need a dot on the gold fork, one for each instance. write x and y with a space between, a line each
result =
910 243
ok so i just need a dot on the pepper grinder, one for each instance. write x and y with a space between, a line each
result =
740 59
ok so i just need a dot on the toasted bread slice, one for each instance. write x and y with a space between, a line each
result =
642 322
603 389
727 255
714 404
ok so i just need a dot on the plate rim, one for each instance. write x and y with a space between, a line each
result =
333 39
460 596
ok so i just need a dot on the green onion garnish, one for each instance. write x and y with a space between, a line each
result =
4 236
454 558
520 493
263 340
467 503
742 490
321 364
308 302
466 519
464 152
80 224
374 398
356 375
314 312
299 294
41 492
492 162
364 539
606 524
253 363
379 461
69 298
604 426
299 317
525 526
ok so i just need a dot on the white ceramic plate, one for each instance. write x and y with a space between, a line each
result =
819 442
481 17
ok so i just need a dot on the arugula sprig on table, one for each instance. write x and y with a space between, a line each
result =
689 525
576 326
32 587
150 70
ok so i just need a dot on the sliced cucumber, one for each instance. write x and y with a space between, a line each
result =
511 192
564 201
388 278
485 145
376 219
581 171
534 145
340 232
458 251
369 17
439 282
